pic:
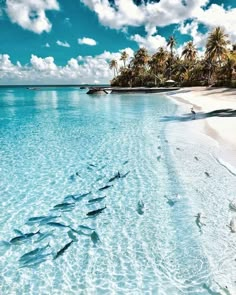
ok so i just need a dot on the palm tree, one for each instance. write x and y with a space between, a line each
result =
189 52
172 43
114 65
216 49
124 57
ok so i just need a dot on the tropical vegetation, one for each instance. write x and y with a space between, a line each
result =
216 66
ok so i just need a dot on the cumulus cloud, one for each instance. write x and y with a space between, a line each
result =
87 41
30 15
63 44
151 42
40 70
192 29
127 13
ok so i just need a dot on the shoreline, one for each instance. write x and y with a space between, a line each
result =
221 127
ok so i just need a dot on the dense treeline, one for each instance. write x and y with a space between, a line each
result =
216 67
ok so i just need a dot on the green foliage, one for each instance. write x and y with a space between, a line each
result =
217 67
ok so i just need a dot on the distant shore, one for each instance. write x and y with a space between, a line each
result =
220 127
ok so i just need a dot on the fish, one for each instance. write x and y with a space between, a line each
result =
35 219
33 253
47 219
126 162
92 165
140 207
57 224
63 206
18 232
114 177
96 200
124 175
86 227
43 236
79 198
159 158
178 149
22 238
159 147
207 174
72 236
105 187
95 212
68 198
95 238
196 158
40 219
61 252
35 261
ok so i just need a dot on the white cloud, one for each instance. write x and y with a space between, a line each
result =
150 42
45 70
217 15
42 64
192 29
47 45
151 14
63 44
87 41
30 14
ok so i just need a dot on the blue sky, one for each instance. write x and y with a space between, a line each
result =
72 41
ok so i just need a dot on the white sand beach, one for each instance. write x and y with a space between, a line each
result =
221 128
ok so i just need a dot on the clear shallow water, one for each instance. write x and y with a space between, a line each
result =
47 136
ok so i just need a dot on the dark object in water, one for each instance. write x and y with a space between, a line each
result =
27 256
124 175
96 200
196 158
199 223
97 90
72 177
95 238
23 238
158 158
170 202
79 198
140 207
166 141
95 212
57 224
61 252
207 174
127 161
159 147
178 149
117 175
85 227
64 207
72 236
105 187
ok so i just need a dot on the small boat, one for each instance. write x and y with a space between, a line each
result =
232 205
97 90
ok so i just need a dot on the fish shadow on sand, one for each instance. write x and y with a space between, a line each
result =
200 115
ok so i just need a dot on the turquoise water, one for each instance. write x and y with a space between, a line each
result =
60 142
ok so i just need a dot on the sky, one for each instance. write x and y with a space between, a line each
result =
73 41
